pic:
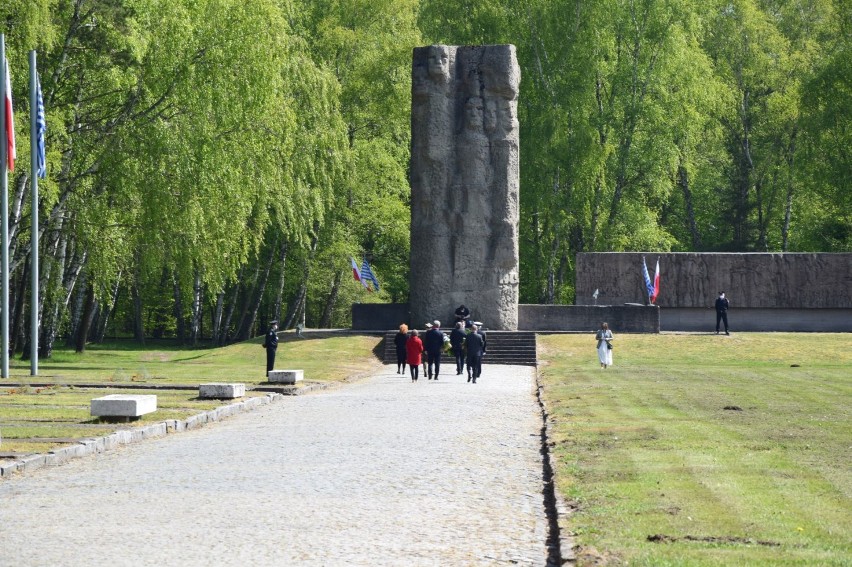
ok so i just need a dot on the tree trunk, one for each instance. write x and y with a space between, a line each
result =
258 295
138 323
683 181
240 331
17 332
197 308
15 221
76 314
232 305
106 311
328 311
788 205
85 318
301 295
282 262
217 318
51 321
180 320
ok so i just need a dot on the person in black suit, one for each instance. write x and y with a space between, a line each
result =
457 337
722 305
270 343
433 343
475 344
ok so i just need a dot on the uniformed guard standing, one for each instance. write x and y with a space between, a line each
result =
270 343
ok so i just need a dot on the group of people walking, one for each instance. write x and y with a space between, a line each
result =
466 344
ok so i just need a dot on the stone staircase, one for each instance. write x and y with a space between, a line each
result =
504 347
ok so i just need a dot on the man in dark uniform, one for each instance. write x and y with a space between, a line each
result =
722 305
457 337
463 315
270 343
433 344
475 344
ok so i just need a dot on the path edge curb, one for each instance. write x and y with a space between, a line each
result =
564 542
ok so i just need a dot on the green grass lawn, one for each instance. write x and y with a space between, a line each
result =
704 449
28 414
323 359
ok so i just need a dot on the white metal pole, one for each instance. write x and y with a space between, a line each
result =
34 212
4 213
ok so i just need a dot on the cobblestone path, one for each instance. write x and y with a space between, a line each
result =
381 472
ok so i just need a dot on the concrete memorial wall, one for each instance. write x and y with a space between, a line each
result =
464 183
768 292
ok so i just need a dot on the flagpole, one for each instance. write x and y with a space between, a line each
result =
34 212
4 212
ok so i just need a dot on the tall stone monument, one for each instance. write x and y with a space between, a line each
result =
465 184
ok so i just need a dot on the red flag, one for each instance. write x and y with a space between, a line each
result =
656 282
10 123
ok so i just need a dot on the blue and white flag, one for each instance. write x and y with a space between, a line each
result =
41 128
648 284
367 275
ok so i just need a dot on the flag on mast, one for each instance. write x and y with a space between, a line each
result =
367 275
656 283
41 128
649 287
356 271
10 122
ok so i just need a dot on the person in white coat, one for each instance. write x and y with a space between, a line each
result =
604 338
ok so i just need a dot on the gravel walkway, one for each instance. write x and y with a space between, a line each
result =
381 472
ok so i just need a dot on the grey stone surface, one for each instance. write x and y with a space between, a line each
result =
379 316
465 183
221 390
382 472
694 280
768 292
588 318
286 376
759 320
124 405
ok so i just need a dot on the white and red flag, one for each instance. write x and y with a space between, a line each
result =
10 123
656 283
356 271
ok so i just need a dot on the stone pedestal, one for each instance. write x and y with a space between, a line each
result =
286 376
221 391
123 405
465 184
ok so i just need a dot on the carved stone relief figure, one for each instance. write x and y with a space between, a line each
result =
464 182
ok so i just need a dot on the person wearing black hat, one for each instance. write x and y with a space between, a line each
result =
270 343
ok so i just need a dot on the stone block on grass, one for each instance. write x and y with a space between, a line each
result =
286 376
221 391
124 405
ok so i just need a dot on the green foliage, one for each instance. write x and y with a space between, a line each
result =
180 146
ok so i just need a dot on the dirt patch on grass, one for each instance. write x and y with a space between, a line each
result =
661 538
587 555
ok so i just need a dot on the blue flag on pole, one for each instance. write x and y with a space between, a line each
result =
367 275
41 128
648 285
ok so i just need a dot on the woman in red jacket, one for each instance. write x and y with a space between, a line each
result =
414 348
